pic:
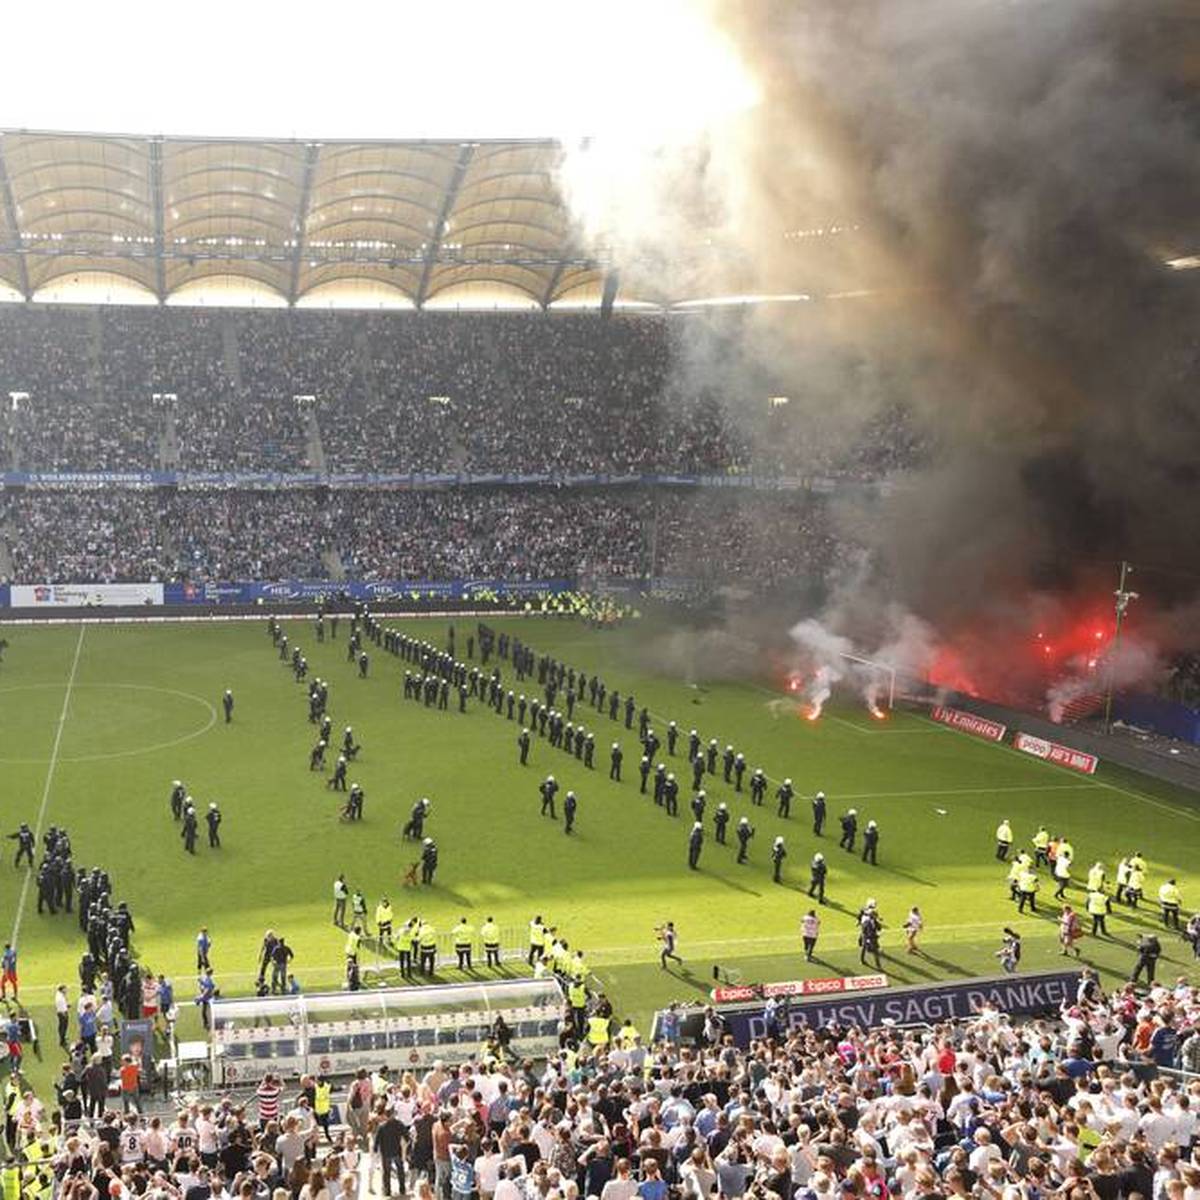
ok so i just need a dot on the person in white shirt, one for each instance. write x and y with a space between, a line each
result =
544 1139
906 1134
487 1169
698 1178
131 1141
507 1188
62 1011
804 1161
1156 1126
622 1186
985 1152
206 1137
1184 1115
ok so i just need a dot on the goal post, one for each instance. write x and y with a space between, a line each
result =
867 672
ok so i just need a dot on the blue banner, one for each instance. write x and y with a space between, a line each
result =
922 1004
1162 716
375 591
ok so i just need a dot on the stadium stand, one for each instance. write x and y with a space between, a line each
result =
391 392
112 535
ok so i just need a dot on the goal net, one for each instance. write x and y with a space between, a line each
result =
875 680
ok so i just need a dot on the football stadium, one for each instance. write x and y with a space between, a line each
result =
640 641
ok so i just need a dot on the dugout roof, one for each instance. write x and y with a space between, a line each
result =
162 213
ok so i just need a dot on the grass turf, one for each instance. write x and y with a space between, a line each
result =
124 709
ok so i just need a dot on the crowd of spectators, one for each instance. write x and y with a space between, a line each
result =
485 393
113 535
1075 1106
100 536
116 535
759 539
63 416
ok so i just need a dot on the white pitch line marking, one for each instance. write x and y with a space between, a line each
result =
41 817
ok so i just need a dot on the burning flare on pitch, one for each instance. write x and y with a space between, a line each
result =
818 692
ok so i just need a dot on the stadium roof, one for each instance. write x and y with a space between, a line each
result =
414 219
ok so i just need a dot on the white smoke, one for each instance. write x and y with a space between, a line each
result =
1133 662
909 648
825 656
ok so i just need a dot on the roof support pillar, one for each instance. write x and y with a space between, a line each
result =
156 204
612 285
465 153
312 153
10 211
555 276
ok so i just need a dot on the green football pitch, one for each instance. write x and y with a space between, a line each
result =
96 721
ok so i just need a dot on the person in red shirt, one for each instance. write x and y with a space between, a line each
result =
946 1060
131 1078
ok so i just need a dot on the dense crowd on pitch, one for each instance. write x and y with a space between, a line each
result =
1071 1106
402 392
117 535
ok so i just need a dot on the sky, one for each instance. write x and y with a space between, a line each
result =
454 69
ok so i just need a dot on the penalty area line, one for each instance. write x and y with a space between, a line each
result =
53 763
